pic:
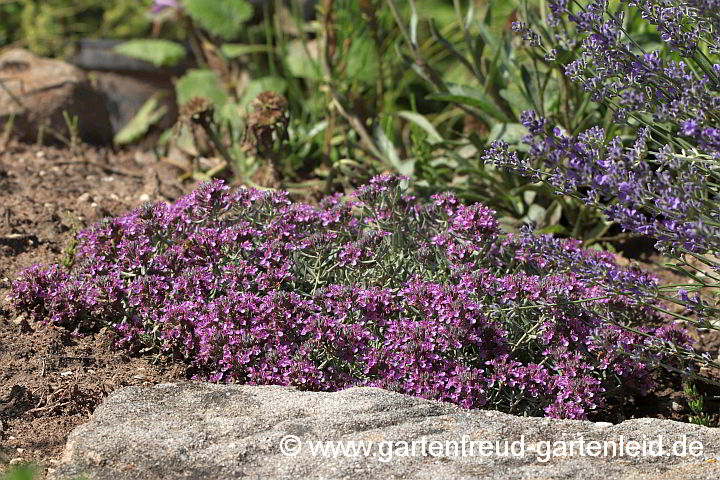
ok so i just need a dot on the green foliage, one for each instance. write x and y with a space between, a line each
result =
201 83
159 52
27 472
481 79
22 472
348 90
366 96
234 50
149 114
467 95
301 62
696 402
362 60
221 18
51 27
11 15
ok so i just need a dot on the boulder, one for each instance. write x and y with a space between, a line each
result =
197 431
36 91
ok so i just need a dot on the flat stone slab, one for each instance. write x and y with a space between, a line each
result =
206 431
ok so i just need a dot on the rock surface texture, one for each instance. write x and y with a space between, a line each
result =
206 431
35 91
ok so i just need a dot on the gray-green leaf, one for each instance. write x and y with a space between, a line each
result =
161 53
390 153
422 122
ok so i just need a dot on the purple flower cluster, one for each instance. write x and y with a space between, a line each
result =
615 68
428 299
664 197
664 185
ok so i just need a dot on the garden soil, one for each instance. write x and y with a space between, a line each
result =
50 379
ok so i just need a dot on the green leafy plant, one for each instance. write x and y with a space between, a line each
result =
492 80
52 27
149 114
159 52
223 19
696 402
22 472
349 93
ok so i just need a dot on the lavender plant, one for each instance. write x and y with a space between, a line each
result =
496 80
663 182
379 289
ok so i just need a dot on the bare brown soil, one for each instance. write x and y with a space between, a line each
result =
51 381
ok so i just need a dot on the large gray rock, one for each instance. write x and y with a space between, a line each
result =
206 431
35 92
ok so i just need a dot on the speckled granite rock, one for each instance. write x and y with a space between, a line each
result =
205 431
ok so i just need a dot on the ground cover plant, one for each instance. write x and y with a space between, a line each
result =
424 298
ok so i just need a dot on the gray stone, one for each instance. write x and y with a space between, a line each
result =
206 431
35 92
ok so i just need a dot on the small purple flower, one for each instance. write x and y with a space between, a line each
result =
689 127
160 5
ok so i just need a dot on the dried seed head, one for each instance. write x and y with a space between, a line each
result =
196 110
269 101
265 118
269 120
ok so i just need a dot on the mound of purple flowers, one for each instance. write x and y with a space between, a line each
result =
428 299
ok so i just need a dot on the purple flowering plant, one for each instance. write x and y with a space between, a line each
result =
160 5
663 181
378 289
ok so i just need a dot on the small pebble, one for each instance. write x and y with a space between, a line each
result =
677 407
16 461
84 198
108 179
144 197
40 154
